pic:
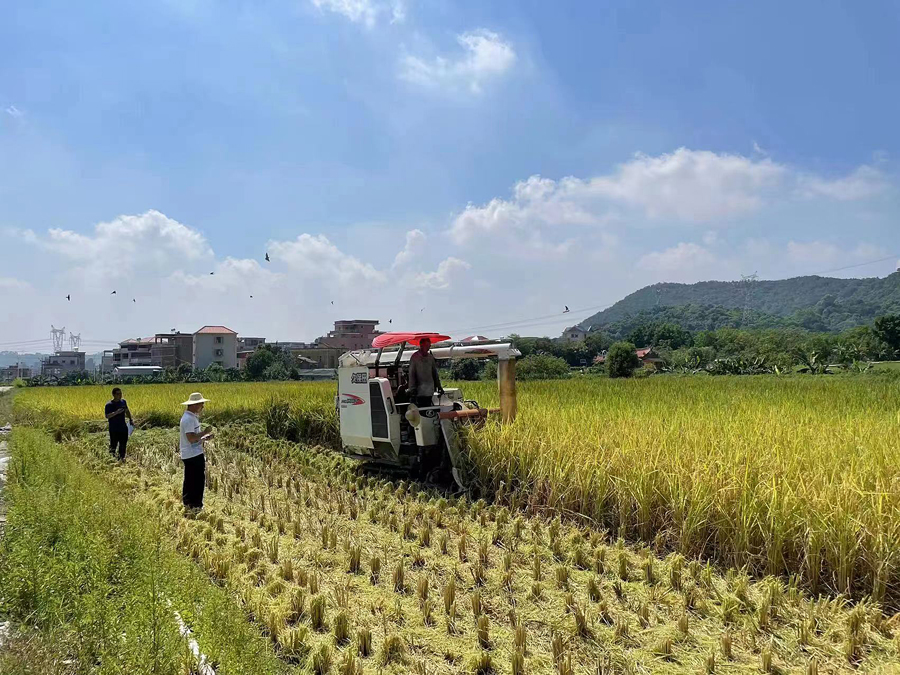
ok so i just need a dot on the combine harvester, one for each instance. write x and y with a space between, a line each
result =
382 428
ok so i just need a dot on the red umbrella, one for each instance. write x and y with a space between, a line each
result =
390 339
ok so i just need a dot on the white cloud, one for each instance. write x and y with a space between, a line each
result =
358 11
690 185
10 284
398 11
314 256
685 258
118 248
13 111
443 277
862 183
684 186
415 246
485 56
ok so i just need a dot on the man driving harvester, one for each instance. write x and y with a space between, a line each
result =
424 379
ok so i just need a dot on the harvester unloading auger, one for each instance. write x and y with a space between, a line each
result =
381 426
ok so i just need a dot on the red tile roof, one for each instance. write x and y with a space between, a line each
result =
216 329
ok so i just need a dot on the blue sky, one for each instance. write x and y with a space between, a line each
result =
483 161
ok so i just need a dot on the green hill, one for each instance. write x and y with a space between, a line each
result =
814 303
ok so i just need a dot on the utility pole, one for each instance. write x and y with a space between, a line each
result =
748 281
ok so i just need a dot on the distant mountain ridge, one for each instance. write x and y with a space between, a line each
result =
812 302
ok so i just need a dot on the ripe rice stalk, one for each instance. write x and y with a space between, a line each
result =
582 628
562 577
355 556
297 605
482 628
481 664
349 664
520 640
477 608
725 644
393 650
444 543
536 566
484 550
317 613
593 589
478 573
399 577
294 645
374 569
364 642
517 663
321 660
557 647
449 594
664 648
287 569
341 597
428 613
341 628
422 588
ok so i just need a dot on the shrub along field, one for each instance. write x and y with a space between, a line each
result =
781 475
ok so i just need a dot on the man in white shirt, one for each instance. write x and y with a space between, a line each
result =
190 444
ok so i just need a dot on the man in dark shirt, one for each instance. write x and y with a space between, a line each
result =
424 380
116 412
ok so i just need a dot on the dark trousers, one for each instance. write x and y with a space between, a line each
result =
194 482
118 438
424 401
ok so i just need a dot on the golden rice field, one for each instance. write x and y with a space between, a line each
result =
795 475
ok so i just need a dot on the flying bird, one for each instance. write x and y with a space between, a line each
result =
211 273
69 298
251 297
332 302
390 321
566 309
267 257
133 300
113 293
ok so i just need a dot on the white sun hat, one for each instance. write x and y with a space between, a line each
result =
195 398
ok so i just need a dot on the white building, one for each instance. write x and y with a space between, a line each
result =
573 334
215 344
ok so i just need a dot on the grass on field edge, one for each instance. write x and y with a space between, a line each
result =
94 581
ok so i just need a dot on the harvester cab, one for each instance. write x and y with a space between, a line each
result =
381 426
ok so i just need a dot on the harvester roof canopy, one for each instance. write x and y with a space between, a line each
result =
391 339
367 357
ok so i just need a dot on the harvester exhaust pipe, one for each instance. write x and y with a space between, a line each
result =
506 378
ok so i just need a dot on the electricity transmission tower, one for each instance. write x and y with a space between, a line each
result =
74 342
748 281
59 336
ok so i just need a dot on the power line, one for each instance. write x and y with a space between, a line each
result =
523 322
862 264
